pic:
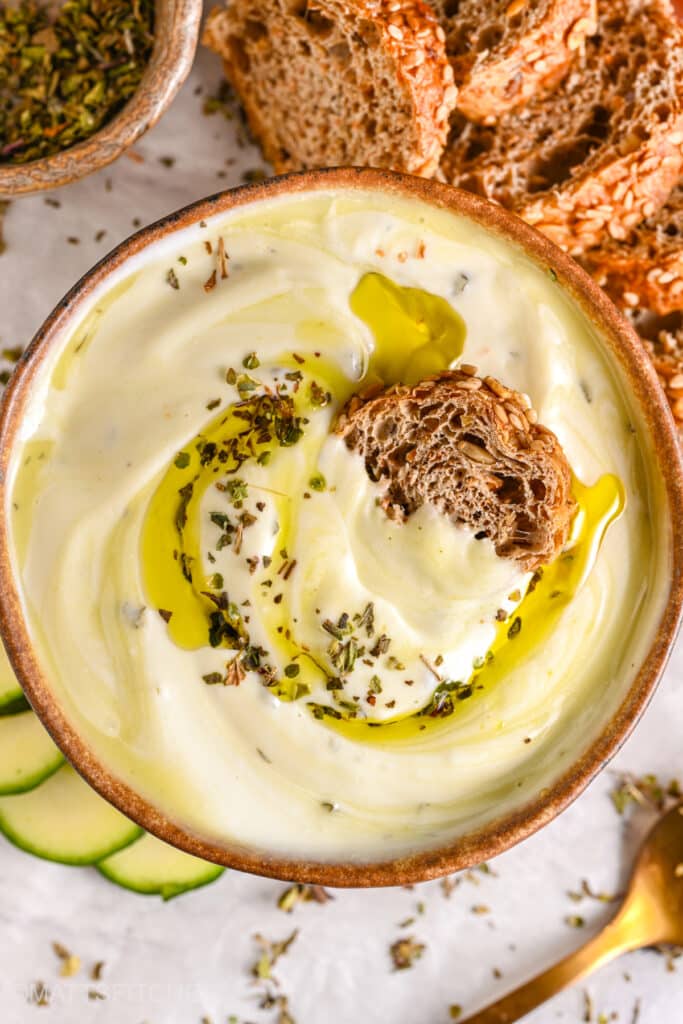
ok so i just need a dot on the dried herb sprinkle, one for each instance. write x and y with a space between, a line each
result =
63 77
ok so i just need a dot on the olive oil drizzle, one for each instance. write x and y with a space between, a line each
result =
432 333
192 599
193 602
549 593
176 580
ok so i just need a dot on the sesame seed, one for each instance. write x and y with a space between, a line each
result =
516 421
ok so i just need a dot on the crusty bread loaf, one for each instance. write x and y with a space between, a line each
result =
663 338
472 448
600 153
646 270
339 82
505 51
644 277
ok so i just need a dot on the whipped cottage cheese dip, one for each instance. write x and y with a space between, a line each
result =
223 610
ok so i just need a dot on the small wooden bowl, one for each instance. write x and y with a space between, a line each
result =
175 41
560 785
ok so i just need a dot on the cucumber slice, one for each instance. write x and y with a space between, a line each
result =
14 705
65 820
27 754
12 697
153 867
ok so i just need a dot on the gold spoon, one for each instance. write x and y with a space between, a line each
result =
652 913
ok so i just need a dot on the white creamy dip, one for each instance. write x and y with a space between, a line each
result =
303 545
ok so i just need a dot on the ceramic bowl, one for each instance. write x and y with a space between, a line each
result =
559 784
176 34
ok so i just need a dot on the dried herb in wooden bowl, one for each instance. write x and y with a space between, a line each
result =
66 71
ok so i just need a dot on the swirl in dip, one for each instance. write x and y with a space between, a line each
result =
223 609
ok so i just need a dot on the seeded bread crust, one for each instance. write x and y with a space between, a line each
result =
644 277
646 270
339 82
663 339
474 450
505 51
604 150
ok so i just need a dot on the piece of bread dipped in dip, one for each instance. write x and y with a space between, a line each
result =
473 449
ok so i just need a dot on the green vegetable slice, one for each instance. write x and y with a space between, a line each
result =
27 754
65 820
152 867
12 698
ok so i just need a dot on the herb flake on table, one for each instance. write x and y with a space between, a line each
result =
70 964
586 891
39 994
271 951
449 884
223 101
645 791
300 893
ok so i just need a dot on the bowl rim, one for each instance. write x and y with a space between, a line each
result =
499 834
176 35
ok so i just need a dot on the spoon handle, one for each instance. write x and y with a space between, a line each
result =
618 937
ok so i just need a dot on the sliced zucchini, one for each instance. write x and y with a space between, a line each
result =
14 705
12 697
153 867
27 754
65 820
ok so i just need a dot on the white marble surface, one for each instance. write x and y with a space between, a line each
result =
176 963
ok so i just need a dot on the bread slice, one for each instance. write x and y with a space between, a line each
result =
644 277
604 150
505 51
646 270
339 82
472 448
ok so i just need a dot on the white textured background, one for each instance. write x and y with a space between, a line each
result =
189 959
